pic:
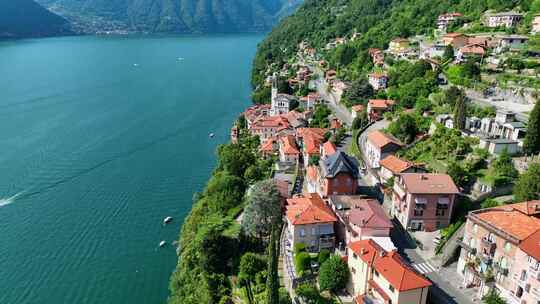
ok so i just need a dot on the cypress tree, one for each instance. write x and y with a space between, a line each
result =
459 113
532 139
272 279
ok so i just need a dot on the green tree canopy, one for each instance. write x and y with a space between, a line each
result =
532 138
404 128
493 297
460 112
272 280
528 185
448 53
358 93
263 209
333 274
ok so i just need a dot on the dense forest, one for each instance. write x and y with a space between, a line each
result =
26 18
377 22
172 15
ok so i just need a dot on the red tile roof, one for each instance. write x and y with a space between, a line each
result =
329 148
309 209
368 213
381 140
395 164
268 145
531 245
380 103
312 138
335 124
316 132
288 145
429 183
311 173
389 265
528 208
473 49
509 220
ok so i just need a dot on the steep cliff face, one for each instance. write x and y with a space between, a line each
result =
26 18
184 16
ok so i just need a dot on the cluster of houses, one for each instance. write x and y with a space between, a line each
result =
360 229
501 250
331 214
496 134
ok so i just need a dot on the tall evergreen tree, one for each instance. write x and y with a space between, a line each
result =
460 112
272 279
532 139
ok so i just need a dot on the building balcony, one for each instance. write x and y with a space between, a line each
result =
487 259
499 269
488 245
327 241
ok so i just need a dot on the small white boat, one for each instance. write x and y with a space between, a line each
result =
135 64
162 243
211 135
167 220
180 58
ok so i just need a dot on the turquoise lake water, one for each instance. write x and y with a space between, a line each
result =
101 138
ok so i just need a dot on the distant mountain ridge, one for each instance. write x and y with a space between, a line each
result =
179 16
26 18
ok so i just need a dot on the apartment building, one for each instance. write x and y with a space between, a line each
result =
380 277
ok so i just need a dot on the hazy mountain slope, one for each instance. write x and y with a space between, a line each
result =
172 15
26 18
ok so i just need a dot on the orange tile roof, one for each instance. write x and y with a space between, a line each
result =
268 145
380 139
289 145
380 103
473 49
312 145
329 148
528 208
509 220
335 124
429 183
309 209
389 265
531 245
311 173
316 132
395 164
358 108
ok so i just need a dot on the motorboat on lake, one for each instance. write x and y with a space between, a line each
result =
162 243
167 220
211 135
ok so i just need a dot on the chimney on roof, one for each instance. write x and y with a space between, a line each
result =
423 177
362 250
382 253
363 221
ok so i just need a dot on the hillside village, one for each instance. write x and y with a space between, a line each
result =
403 176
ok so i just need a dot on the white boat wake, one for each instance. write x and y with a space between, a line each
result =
10 200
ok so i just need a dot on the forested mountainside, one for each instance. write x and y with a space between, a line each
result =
376 21
26 18
181 16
